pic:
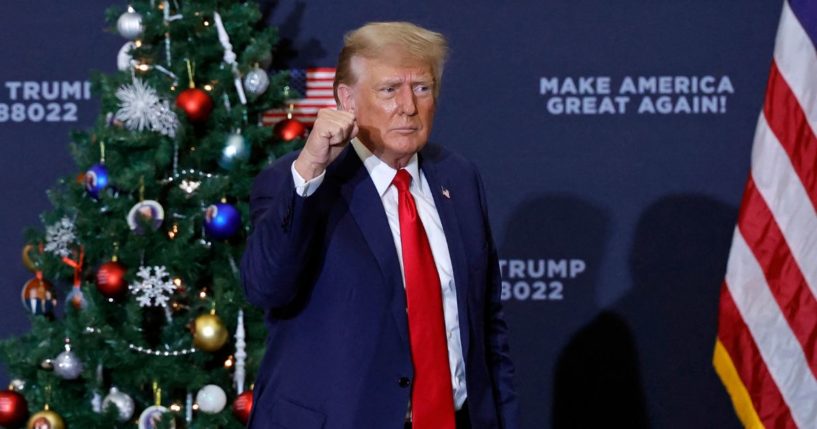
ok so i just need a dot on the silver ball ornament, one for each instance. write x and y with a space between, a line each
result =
129 25
67 365
124 404
235 150
256 82
211 399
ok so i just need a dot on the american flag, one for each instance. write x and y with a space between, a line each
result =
316 86
766 350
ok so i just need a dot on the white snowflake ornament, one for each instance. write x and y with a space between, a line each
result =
59 236
140 108
154 287
137 105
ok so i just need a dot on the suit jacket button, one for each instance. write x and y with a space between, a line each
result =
404 382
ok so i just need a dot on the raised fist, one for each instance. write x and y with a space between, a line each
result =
332 131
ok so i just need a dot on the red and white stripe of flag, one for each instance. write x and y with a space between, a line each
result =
318 96
766 351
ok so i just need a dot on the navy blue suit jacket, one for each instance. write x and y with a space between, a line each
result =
325 270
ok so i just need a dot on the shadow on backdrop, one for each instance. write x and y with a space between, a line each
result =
553 229
678 261
285 54
659 336
596 381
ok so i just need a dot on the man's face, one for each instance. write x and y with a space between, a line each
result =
393 101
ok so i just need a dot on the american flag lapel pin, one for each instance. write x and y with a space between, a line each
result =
446 192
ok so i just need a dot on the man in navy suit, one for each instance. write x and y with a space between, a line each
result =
373 258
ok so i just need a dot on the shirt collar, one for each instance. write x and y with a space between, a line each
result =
381 173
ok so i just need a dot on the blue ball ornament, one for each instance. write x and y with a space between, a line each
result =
221 221
96 180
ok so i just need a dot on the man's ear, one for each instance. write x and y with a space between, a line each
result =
347 100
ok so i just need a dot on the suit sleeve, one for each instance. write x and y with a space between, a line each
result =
499 358
278 247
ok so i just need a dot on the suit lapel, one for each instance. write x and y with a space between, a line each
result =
365 206
440 185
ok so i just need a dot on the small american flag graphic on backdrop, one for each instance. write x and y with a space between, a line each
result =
315 84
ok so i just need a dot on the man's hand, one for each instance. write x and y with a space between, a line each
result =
332 131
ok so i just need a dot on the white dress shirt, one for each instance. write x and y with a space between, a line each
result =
382 175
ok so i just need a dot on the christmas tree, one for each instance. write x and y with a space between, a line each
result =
140 251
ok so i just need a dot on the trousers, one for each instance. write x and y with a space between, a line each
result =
461 417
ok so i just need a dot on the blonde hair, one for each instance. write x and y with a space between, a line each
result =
376 39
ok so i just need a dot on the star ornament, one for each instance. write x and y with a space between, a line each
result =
189 186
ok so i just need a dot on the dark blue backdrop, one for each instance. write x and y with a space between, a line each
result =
613 228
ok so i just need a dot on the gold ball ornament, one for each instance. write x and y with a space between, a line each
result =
46 419
209 333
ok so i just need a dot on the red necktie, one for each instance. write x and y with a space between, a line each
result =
432 402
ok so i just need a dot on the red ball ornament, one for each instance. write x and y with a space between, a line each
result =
243 406
289 129
13 409
110 280
195 103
